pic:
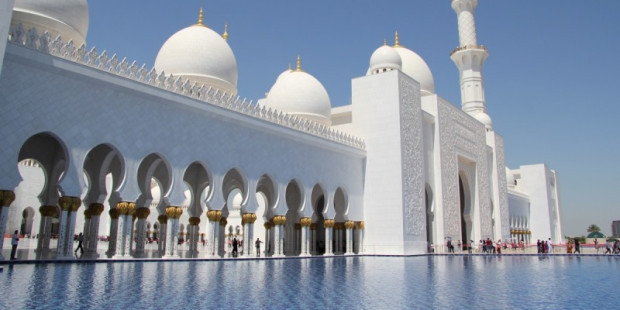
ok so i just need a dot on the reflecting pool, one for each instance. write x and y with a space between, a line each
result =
441 282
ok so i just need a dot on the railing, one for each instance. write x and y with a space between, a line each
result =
209 95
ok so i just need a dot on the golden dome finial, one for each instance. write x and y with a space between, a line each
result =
298 64
200 18
384 41
396 41
225 34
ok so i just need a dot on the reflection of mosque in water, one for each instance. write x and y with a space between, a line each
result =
171 158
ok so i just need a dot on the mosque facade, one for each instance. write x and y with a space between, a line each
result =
126 153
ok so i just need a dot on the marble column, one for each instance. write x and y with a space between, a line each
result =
248 220
305 223
6 198
45 229
141 214
360 240
173 213
163 233
221 236
267 239
313 249
92 239
349 225
278 222
329 226
114 213
193 234
69 206
123 243
214 217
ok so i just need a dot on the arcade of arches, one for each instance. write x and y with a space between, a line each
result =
289 221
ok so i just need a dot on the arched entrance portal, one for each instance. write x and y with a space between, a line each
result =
465 203
430 217
27 217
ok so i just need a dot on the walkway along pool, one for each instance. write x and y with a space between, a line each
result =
440 282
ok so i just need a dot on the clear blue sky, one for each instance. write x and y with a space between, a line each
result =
550 77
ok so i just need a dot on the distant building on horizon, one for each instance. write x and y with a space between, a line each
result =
615 228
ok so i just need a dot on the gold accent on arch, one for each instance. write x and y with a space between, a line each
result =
174 212
249 218
194 220
115 213
143 212
279 220
349 224
6 198
329 223
214 215
305 221
95 209
360 224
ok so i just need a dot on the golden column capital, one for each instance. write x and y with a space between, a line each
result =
313 226
115 213
329 223
194 220
6 198
48 210
249 218
131 208
305 221
122 207
267 225
171 212
96 209
162 219
88 214
349 224
279 220
360 224
143 212
65 203
223 221
214 215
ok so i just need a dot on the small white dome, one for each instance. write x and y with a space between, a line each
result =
385 58
510 178
484 119
414 66
201 55
67 18
299 93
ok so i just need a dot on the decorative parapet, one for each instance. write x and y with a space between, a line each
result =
467 47
209 95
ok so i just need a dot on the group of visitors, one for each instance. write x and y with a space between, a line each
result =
544 246
611 247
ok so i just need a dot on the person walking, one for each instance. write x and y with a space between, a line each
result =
257 245
14 242
577 249
235 245
80 240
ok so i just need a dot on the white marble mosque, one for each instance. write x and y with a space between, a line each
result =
123 152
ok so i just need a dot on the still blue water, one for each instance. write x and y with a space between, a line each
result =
441 282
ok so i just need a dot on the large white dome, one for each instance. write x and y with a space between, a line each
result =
67 18
385 58
201 55
299 93
414 66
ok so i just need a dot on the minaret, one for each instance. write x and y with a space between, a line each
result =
469 57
